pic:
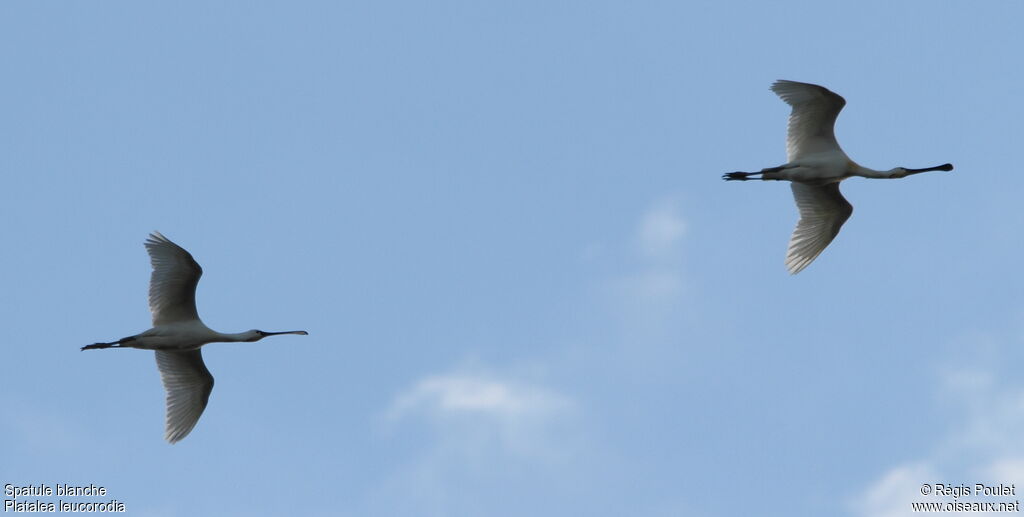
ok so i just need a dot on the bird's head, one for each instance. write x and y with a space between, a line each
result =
256 335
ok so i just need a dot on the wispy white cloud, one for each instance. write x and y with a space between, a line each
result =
892 493
474 414
983 446
661 231
449 394
648 297
481 433
1008 468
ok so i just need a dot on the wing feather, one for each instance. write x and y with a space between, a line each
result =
813 118
823 210
188 384
172 287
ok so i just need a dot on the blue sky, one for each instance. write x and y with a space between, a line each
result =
527 289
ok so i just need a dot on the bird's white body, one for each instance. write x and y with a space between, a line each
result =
178 334
819 168
816 166
183 335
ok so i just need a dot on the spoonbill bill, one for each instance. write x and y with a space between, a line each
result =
816 166
178 334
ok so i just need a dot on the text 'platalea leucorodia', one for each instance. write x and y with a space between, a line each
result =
816 166
178 334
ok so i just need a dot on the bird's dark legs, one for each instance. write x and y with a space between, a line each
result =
120 343
739 176
744 176
96 346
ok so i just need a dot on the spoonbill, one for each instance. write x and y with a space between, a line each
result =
178 334
816 166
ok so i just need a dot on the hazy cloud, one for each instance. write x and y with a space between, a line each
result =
475 393
479 434
891 495
660 232
984 446
648 297
475 414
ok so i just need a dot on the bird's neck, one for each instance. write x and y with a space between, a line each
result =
238 337
865 172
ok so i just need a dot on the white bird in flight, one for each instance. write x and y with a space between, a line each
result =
178 334
816 166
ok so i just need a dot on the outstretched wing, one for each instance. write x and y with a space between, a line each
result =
811 122
188 384
172 287
823 210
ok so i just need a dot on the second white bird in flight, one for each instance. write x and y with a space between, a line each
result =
816 166
178 334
